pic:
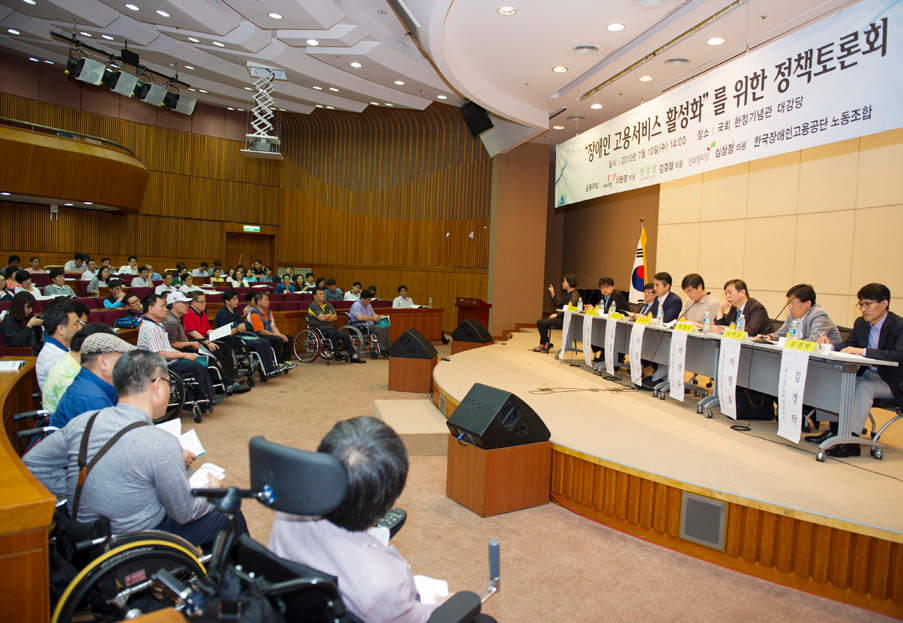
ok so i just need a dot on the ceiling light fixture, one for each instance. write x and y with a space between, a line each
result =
202 91
715 41
318 88
86 34
193 40
88 203
49 62
312 42
275 15
33 59
557 127
190 89
596 106
317 106
5 194
132 7
507 10
240 109
28 1
615 27
188 67
229 108
645 78
219 45
442 97
559 69
585 49
248 89
333 89
576 118
374 103
68 204
162 13
677 60
107 37
387 104
650 2
13 31
399 83
356 65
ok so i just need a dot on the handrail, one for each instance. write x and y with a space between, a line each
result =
38 126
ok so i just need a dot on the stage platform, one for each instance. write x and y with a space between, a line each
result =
627 459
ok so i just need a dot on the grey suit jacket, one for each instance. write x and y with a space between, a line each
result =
812 325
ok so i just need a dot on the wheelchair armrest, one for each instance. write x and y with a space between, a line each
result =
32 414
460 608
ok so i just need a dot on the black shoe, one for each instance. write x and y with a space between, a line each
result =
844 450
648 384
216 400
374 355
817 439
237 388
356 360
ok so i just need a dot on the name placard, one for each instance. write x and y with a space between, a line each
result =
643 320
733 334
592 312
686 327
802 345
572 309
616 315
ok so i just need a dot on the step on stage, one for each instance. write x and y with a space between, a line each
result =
749 501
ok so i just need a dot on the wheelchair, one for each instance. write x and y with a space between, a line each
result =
184 391
147 571
363 341
310 344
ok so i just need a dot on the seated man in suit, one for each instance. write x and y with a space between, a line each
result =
612 300
322 316
698 301
737 301
670 306
877 334
812 322
648 300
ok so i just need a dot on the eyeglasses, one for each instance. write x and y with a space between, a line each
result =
81 322
793 303
165 379
864 304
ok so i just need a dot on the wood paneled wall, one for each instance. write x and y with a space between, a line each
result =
384 187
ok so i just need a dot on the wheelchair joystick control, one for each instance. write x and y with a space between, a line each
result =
494 571
266 495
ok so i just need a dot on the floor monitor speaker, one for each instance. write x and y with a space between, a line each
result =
491 418
412 345
471 331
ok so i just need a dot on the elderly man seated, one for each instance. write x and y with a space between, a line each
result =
364 318
141 483
322 316
67 368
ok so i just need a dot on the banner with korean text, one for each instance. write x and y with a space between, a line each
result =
837 79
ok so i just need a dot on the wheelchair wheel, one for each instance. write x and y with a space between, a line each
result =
119 584
176 398
307 346
357 337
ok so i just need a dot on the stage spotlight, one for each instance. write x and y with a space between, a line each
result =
148 93
183 104
85 69
120 82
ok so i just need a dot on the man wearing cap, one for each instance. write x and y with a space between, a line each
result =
152 336
92 388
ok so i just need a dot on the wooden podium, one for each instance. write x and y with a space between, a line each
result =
411 375
491 482
473 308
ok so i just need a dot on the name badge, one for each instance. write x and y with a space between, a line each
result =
643 320
686 327
733 334
803 345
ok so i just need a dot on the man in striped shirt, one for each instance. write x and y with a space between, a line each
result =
152 336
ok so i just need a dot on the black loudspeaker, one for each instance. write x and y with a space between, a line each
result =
491 418
471 331
476 118
412 345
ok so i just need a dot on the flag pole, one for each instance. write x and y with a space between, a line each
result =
643 240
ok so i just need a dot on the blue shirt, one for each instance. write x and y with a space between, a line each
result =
280 289
334 295
359 309
88 392
114 304
874 338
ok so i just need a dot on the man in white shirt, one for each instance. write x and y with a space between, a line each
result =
76 265
143 278
402 301
698 301
131 268
166 287
201 271
354 294
90 270
61 322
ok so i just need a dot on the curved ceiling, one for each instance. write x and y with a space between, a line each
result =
464 49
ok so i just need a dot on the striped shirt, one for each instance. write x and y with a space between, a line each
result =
152 336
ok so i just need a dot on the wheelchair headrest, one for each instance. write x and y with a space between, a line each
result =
303 483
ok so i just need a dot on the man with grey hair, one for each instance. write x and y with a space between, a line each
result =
140 483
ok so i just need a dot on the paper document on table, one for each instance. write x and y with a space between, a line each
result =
791 387
728 365
199 479
191 442
430 588
588 340
11 366
565 328
611 328
223 331
635 351
677 363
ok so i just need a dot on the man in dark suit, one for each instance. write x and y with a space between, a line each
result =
612 300
665 298
877 334
737 301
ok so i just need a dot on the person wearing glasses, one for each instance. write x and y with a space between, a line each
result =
141 483
812 321
698 302
736 302
62 319
877 334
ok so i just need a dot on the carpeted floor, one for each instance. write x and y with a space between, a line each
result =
556 566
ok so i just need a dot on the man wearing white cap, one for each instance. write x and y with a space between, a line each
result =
152 336
92 388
